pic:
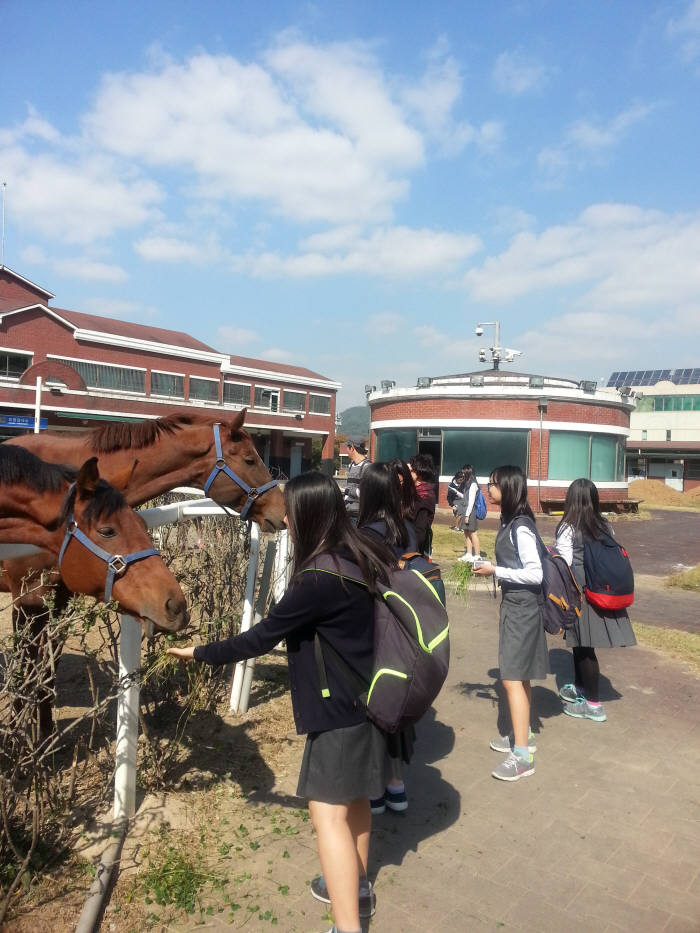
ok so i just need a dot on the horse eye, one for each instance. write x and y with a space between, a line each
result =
250 461
107 532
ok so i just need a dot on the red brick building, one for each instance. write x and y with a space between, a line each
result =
93 369
556 430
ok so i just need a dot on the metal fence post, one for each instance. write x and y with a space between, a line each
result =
127 719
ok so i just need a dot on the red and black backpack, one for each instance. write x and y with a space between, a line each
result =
609 575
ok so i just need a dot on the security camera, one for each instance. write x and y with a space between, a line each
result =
479 331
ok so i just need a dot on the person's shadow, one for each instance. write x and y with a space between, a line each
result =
434 804
561 665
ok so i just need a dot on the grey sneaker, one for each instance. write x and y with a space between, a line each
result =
504 743
582 709
513 768
570 693
367 897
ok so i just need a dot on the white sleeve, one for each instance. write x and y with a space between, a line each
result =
471 500
564 543
531 571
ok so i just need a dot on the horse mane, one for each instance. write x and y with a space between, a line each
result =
125 435
19 466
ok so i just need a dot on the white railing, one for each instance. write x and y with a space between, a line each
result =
275 570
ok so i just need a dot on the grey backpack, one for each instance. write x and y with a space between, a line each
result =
411 647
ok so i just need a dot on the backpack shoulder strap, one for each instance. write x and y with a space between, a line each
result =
526 522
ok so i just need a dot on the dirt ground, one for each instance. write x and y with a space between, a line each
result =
231 809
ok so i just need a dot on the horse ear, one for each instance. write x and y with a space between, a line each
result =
238 421
87 479
122 479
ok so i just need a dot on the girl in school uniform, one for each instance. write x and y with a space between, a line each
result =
345 754
470 524
596 628
522 646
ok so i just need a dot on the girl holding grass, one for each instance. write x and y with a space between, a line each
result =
345 754
522 647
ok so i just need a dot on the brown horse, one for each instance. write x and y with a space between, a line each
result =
149 458
87 527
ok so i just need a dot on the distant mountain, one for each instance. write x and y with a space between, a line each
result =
355 420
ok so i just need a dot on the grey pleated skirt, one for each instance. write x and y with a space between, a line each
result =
598 629
344 764
522 646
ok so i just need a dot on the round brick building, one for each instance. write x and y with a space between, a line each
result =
556 430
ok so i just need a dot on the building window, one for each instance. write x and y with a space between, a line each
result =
236 393
204 389
12 365
104 376
319 404
401 443
484 449
167 384
574 454
644 435
293 401
267 399
668 435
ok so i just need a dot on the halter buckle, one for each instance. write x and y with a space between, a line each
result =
253 494
117 565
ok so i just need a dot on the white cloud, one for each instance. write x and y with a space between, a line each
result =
516 73
231 339
614 255
386 252
278 355
315 135
176 250
116 308
75 198
89 270
585 140
686 28
383 324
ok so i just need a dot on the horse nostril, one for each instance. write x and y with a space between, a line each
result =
176 609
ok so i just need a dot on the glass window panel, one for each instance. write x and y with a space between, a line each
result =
204 389
696 403
677 403
236 394
14 364
621 452
687 402
103 376
603 458
267 398
402 443
319 404
568 455
646 403
294 401
166 384
484 449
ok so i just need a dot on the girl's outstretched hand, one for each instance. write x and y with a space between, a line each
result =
185 654
484 569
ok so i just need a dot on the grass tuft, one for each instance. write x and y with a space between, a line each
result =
683 646
686 580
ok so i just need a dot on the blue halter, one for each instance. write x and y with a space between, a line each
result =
222 467
116 564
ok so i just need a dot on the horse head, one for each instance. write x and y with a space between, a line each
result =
251 490
107 553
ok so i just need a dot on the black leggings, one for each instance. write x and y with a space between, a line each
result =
586 672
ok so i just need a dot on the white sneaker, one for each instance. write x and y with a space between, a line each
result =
466 558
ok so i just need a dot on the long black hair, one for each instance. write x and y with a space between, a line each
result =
582 509
424 467
409 496
380 500
468 475
319 524
513 485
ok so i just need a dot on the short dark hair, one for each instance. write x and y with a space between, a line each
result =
423 466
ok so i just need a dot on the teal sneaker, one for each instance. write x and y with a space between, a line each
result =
582 709
570 693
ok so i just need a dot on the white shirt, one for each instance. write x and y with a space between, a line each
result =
531 571
565 543
471 499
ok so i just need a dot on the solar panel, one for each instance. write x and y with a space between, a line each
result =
649 377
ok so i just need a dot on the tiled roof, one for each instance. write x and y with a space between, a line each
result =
108 325
276 367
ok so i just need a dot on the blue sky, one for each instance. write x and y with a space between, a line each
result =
352 186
